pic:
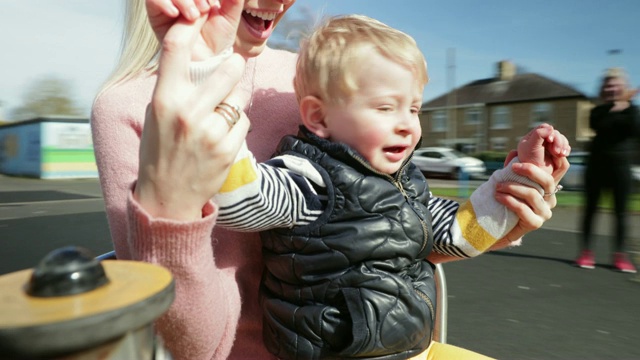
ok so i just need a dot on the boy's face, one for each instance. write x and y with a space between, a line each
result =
380 119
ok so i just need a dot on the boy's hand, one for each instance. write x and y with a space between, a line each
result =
219 30
543 147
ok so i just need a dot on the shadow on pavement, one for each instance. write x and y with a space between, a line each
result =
539 257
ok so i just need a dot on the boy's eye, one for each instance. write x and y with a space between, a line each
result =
385 108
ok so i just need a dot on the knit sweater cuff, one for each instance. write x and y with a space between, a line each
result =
483 219
200 70
169 241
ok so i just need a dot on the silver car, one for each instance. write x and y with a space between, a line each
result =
574 178
448 162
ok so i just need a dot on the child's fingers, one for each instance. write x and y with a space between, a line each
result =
560 144
545 131
510 156
203 5
532 146
190 9
560 166
537 136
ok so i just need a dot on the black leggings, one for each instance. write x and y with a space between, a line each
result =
618 179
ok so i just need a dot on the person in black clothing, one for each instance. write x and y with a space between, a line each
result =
617 125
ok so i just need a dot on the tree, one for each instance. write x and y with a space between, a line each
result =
48 95
292 28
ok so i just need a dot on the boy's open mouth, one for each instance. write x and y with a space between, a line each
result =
394 149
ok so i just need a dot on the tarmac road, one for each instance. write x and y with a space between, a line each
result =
527 302
37 216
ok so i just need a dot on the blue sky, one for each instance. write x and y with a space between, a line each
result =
566 40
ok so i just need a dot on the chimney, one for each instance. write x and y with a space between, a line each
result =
506 70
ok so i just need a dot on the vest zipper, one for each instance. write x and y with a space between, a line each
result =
425 231
428 301
396 181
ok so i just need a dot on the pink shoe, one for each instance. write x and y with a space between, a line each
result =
622 263
586 260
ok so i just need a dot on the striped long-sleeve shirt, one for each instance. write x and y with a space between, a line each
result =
288 191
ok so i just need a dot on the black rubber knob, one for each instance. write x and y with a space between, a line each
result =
66 271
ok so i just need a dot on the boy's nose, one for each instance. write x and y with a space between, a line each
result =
404 124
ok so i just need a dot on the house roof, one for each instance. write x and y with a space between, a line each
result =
522 87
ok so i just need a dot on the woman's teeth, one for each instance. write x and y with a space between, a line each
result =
264 15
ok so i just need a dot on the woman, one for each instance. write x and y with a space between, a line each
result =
617 126
158 181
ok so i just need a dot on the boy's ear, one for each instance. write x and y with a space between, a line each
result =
312 111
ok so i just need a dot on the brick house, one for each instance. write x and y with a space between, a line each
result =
493 114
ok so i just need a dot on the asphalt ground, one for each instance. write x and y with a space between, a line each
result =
527 302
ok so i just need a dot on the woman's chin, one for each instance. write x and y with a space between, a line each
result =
248 45
249 50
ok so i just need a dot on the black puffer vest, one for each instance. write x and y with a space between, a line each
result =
354 282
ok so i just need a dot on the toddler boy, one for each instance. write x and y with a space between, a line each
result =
348 222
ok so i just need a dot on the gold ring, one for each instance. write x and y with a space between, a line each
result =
558 188
231 113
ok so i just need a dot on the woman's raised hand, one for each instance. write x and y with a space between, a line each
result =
218 31
187 148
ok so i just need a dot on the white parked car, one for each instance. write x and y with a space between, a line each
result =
574 178
448 162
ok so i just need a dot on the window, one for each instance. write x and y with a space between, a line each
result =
439 121
501 118
499 144
469 148
472 116
540 113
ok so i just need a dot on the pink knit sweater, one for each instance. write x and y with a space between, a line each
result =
216 313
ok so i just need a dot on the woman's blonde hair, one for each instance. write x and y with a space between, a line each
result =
139 49
617 73
331 53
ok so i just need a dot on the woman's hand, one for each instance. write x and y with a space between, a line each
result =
218 31
187 148
525 201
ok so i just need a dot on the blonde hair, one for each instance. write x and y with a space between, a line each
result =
616 73
331 53
139 49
